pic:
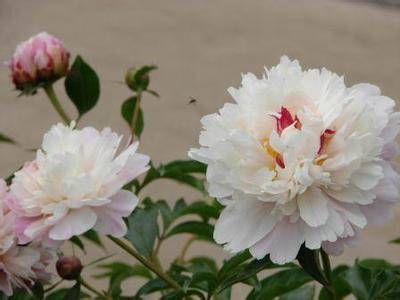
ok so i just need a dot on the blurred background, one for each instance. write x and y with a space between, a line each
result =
201 47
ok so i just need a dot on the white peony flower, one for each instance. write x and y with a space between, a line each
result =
299 158
75 184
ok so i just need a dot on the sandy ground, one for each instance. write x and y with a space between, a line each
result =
201 48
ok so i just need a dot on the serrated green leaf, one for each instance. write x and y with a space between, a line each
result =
82 86
280 283
143 229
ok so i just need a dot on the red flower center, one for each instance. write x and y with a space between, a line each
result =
284 120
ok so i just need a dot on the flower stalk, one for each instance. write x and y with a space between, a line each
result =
328 274
48 88
151 266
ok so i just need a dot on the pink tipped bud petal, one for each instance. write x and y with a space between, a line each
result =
42 58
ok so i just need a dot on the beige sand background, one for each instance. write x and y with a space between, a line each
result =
201 48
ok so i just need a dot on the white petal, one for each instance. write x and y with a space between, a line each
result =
313 207
367 176
243 223
282 243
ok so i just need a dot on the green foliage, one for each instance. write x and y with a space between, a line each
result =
305 292
143 228
374 280
118 272
280 284
139 80
180 170
6 139
127 112
202 230
200 277
310 262
82 86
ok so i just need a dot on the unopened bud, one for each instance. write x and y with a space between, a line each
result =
41 59
69 267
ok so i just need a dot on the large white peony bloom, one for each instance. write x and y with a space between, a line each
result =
20 266
299 158
75 184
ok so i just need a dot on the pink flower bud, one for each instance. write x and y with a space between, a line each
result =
69 267
43 58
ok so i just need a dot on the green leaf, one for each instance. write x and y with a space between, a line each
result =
230 265
202 209
77 242
304 293
373 263
73 293
340 286
151 286
244 272
179 170
56 295
127 111
309 261
205 281
202 264
395 241
118 272
202 230
92 236
6 139
183 166
373 283
82 86
143 229
279 284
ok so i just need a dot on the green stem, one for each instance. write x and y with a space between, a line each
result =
90 288
155 269
328 274
56 103
181 257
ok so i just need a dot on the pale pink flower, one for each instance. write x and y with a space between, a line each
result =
42 58
20 266
300 158
75 184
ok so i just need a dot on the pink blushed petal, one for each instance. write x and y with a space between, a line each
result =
76 222
110 217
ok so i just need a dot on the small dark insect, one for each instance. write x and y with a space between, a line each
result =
192 100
